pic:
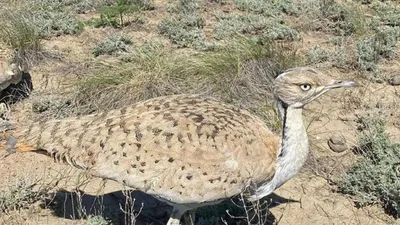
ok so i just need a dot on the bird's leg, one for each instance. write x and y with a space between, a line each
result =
190 217
175 218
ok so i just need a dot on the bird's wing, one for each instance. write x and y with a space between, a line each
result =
181 148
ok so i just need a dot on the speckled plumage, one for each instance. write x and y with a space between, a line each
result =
183 148
188 150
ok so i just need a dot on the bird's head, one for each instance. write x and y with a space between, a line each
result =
298 86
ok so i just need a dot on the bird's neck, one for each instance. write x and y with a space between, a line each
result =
293 150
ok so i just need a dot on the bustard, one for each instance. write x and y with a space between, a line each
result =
188 150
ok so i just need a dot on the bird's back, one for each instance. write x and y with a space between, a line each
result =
182 148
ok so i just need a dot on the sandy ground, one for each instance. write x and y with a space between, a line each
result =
314 199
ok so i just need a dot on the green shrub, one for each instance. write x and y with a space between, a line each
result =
230 25
185 25
342 19
80 6
266 8
52 19
114 15
387 12
381 45
113 45
56 23
374 179
317 55
184 30
186 7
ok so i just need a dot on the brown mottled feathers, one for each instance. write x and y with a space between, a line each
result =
182 148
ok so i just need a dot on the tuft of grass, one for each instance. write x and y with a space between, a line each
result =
333 17
113 45
230 25
18 33
374 179
240 72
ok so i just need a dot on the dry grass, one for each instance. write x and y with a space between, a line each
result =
18 33
240 73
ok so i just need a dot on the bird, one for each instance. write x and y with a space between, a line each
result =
188 150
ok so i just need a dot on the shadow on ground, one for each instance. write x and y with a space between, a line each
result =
17 92
121 207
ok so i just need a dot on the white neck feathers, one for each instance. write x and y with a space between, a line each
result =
293 152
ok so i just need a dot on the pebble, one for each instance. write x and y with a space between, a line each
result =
337 143
395 80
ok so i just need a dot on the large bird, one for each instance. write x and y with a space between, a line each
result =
188 150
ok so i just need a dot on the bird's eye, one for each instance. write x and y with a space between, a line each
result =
305 87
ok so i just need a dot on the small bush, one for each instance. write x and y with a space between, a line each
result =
82 6
374 179
388 13
53 23
184 30
373 48
186 7
114 15
265 8
317 55
113 45
97 220
230 25
19 195
334 17
52 19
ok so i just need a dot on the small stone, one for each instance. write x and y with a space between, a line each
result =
380 105
395 80
337 143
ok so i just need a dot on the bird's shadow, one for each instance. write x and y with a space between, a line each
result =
122 207
19 91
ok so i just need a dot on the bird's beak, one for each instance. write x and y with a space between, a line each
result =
344 84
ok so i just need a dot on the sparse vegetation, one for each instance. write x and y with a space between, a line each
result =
185 26
20 195
113 45
114 14
374 179
240 72
317 55
230 25
184 30
227 49
51 19
371 49
97 220
18 33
